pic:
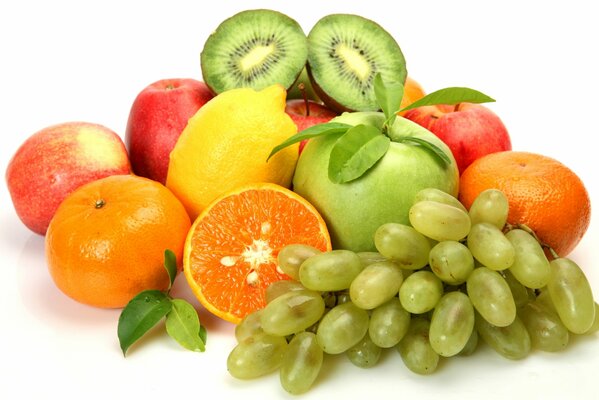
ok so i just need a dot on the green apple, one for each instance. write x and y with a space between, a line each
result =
354 210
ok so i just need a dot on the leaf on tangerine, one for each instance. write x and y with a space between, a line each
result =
142 313
170 264
183 325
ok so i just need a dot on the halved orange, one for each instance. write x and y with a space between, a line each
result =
231 250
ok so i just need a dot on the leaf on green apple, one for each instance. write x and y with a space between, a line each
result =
170 264
311 132
142 313
388 96
356 152
430 147
451 95
183 325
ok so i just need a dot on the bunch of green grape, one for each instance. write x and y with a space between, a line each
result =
431 291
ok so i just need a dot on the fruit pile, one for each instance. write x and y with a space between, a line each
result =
430 291
315 196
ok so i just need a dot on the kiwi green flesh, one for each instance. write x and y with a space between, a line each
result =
254 48
345 53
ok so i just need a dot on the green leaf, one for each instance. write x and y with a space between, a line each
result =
183 325
451 95
312 132
142 313
432 148
388 96
203 334
356 152
170 264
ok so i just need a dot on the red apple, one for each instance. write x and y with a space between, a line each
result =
55 161
469 130
306 113
157 117
302 87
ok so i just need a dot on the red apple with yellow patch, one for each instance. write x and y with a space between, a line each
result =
158 116
55 161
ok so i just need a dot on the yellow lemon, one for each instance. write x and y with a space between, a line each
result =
226 144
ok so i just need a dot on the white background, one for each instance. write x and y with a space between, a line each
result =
65 61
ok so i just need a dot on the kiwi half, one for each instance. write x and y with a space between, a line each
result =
254 48
345 53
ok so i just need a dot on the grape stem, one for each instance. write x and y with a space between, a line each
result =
526 228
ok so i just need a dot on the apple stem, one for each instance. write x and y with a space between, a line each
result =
302 89
100 203
457 107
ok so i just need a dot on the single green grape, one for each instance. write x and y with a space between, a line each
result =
490 246
330 271
544 300
439 221
452 324
330 299
420 292
403 245
491 296
451 261
364 354
595 327
301 363
520 293
471 344
341 328
292 312
546 330
250 326
278 288
292 256
415 349
511 341
342 297
571 295
389 323
256 356
490 206
376 284
530 266
434 194
370 257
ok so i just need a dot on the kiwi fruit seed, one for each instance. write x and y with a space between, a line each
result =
344 54
254 48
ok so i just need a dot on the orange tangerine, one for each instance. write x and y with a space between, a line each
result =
106 242
231 250
543 194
